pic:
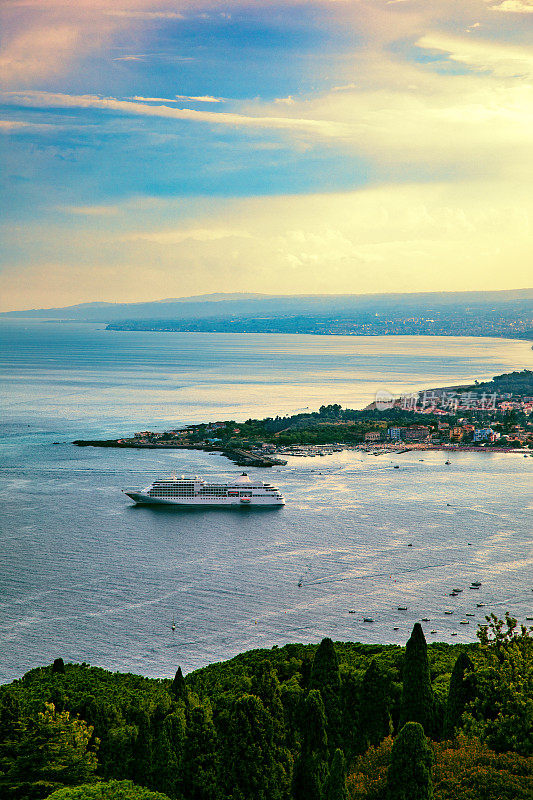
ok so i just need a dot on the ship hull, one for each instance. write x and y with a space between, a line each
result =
140 498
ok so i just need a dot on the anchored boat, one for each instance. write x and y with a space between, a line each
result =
243 491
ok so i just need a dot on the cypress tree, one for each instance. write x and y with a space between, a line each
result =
325 676
417 696
311 770
374 704
178 689
409 774
461 691
254 766
58 666
336 785
199 758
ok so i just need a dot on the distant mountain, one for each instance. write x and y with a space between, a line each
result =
253 306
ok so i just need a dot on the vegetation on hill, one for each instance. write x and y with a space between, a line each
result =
341 721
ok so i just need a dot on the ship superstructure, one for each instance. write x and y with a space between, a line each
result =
196 491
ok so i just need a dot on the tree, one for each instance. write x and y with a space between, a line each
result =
374 704
409 774
336 784
53 751
325 676
311 770
178 689
110 790
459 693
254 767
199 760
417 696
501 713
59 666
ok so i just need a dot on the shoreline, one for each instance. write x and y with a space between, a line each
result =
245 458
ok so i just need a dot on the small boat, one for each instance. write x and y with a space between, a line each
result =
480 605
448 612
457 591
470 615
475 584
529 618
452 594
425 619
299 584
433 631
410 544
465 622
402 608
368 619
395 629
173 626
447 463
396 466
351 612
454 634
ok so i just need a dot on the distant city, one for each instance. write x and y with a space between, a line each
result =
498 314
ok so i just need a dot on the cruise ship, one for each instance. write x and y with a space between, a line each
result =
198 492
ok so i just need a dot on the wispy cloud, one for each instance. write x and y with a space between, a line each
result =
512 6
205 98
39 99
144 15
139 99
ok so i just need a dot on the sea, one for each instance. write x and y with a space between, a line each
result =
87 576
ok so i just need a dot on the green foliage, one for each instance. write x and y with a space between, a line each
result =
417 696
409 774
460 693
311 770
468 770
178 689
325 676
501 712
268 723
256 767
375 702
336 783
52 751
112 790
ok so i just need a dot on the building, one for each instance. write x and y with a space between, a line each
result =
373 436
456 433
416 433
483 435
395 434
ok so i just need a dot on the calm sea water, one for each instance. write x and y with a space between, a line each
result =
89 577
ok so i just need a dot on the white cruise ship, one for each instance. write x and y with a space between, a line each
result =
197 492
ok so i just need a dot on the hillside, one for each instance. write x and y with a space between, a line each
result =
291 723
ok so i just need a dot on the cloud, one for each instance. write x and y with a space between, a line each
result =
206 98
445 236
38 51
168 237
18 126
501 59
91 211
512 6
145 15
139 99
37 99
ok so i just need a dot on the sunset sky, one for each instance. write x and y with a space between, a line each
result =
157 148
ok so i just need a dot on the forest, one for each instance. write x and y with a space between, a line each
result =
334 721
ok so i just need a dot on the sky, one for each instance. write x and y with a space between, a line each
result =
165 148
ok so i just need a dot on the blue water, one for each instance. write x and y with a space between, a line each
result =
89 577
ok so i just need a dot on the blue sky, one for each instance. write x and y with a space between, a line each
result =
153 149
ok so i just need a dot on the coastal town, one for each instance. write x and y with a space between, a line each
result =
494 415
